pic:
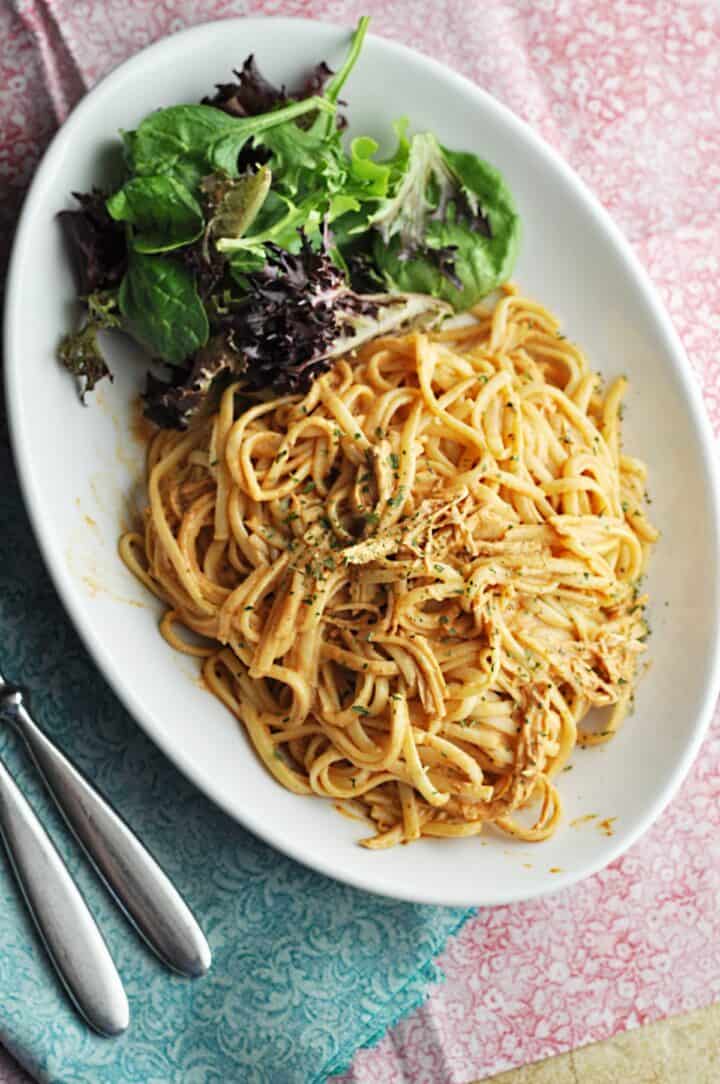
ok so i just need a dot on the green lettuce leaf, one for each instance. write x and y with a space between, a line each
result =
223 151
192 140
448 225
163 213
159 300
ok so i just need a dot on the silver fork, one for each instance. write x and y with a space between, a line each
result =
72 939
136 881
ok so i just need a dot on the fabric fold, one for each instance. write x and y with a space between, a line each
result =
63 78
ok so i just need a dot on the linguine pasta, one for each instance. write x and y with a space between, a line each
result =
413 583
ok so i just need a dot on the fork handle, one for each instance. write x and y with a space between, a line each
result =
139 885
68 930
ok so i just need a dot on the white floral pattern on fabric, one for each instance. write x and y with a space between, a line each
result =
629 93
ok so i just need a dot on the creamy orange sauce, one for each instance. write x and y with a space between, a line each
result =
141 428
606 826
349 813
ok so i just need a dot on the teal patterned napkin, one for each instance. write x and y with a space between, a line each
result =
305 969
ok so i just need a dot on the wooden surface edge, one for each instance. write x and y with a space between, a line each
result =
681 1050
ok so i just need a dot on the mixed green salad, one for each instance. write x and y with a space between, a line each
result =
250 240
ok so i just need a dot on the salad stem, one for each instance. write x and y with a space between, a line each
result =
337 82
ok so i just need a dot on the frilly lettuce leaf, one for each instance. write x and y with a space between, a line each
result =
448 226
80 352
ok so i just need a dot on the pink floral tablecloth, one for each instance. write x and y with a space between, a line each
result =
629 93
